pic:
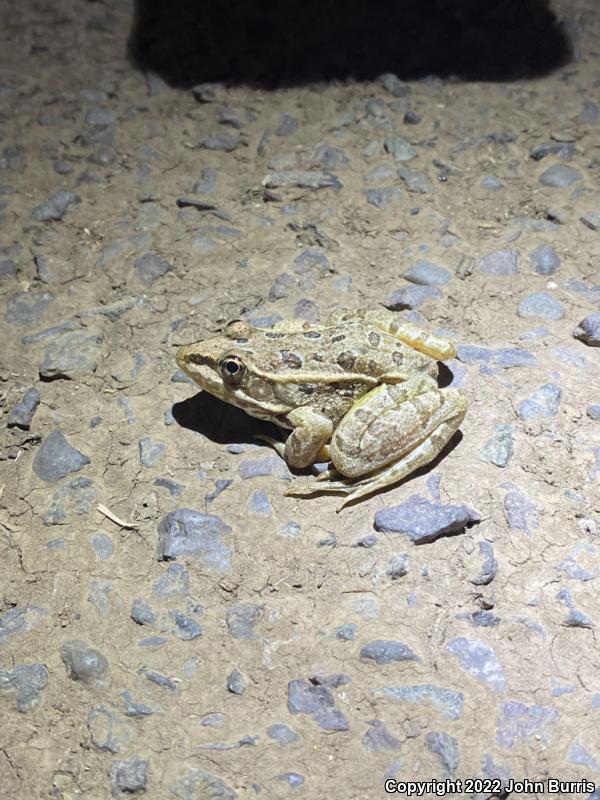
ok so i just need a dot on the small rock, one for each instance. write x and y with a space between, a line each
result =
416 182
141 612
128 776
423 521
55 207
288 125
522 513
386 651
426 273
294 779
560 176
590 113
303 179
564 150
347 632
489 567
499 448
446 747
258 503
72 355
174 583
57 458
411 117
158 679
545 260
479 660
282 734
241 619
84 663
150 267
192 533
398 566
588 330
205 92
392 84
8 268
109 733
541 304
491 183
379 738
236 682
411 297
103 545
399 148
502 357
151 451
21 414
331 719
271 465
384 198
304 698
447 702
593 411
27 308
225 142
27 681
500 263
543 403
174 488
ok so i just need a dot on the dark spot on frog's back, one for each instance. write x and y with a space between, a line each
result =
339 337
274 335
398 358
374 338
290 359
306 388
346 360
311 335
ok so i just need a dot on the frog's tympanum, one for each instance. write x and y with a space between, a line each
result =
359 391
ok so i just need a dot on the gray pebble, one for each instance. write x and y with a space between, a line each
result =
281 286
113 311
128 776
347 632
55 207
392 84
328 157
499 448
151 451
304 698
225 142
141 612
21 414
205 92
56 458
590 113
522 513
478 660
446 747
398 566
158 679
236 682
379 738
411 297
199 785
99 117
541 304
192 533
500 263
383 172
150 267
545 260
399 148
72 355
174 583
491 183
560 176
294 779
207 182
237 118
179 376
307 309
502 357
489 567
220 485
331 719
109 733
84 663
27 681
288 125
43 268
426 273
593 411
564 150
27 308
423 521
304 179
384 198
174 488
387 651
447 702
588 330
8 268
63 167
544 402
411 117
416 181
212 720
103 545
591 220
76 497
258 503
270 465
186 627
282 734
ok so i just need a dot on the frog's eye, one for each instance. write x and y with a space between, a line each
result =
232 368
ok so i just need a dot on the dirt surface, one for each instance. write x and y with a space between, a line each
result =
245 665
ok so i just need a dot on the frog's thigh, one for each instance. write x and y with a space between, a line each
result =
311 431
390 422
435 346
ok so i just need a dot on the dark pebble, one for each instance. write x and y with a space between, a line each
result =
545 260
27 308
411 297
84 663
55 207
559 176
56 458
150 267
21 414
128 776
588 330
423 521
387 651
192 533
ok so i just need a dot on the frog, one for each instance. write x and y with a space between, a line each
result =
359 393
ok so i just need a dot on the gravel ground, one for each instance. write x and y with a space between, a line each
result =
204 636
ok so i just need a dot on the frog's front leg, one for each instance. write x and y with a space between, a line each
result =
307 443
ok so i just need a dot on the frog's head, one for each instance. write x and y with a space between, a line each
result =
227 366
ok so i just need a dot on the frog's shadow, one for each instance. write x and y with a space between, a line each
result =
221 422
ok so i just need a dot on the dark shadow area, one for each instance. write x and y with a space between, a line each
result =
221 422
445 375
287 42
